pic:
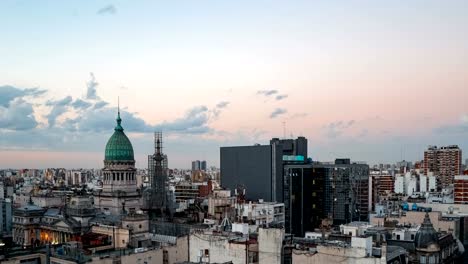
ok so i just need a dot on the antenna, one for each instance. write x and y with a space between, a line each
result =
284 129
118 104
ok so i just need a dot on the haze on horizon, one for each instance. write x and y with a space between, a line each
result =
372 81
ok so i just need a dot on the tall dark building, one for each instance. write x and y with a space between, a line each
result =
196 165
316 191
252 168
292 147
304 197
259 168
203 165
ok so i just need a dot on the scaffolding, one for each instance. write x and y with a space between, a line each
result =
156 200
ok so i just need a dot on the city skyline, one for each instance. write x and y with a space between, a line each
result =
377 83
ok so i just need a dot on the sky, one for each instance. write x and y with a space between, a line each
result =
375 81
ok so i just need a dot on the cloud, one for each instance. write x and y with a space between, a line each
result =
103 119
267 92
17 116
281 97
9 93
110 9
100 104
336 129
84 124
460 128
58 108
218 109
81 104
277 112
222 104
195 121
92 85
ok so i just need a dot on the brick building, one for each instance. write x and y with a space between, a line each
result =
444 162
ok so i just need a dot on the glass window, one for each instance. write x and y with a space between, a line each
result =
423 259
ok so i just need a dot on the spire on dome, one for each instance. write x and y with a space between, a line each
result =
119 120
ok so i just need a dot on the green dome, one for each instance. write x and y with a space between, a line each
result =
119 146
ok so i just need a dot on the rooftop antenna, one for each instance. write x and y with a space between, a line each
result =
284 129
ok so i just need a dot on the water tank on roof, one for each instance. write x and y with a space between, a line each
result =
405 207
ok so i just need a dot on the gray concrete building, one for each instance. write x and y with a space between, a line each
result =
259 168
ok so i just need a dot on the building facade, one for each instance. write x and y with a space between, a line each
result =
259 169
313 192
460 191
444 162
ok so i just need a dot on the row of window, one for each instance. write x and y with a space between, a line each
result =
119 176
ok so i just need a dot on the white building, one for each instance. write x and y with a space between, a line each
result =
354 228
411 185
432 182
262 213
209 247
399 184
423 183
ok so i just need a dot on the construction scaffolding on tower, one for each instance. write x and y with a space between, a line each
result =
156 201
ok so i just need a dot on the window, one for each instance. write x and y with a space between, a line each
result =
398 237
412 236
422 259
314 194
313 206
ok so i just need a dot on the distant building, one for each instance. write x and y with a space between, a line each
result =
6 190
259 168
196 165
6 217
381 185
444 162
264 214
